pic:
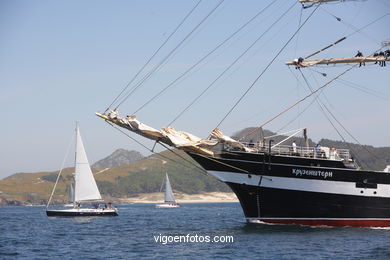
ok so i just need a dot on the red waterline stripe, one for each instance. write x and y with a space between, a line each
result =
332 222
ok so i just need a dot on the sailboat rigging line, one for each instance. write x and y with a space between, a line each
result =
367 25
225 164
194 165
363 89
299 24
323 108
327 47
147 76
158 154
302 99
59 173
334 16
155 53
300 112
350 25
266 68
204 57
230 66
355 86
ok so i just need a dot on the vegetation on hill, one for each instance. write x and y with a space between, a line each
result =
118 175
142 176
147 176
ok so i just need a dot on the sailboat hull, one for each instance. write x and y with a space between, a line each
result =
282 190
82 213
167 206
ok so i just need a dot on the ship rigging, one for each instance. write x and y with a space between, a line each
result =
275 183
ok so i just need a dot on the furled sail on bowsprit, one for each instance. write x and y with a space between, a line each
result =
85 184
167 135
217 134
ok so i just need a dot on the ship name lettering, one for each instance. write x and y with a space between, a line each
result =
314 173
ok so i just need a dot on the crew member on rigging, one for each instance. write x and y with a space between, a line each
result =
360 54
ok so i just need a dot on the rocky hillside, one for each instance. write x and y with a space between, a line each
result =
118 158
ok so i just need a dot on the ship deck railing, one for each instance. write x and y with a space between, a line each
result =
301 151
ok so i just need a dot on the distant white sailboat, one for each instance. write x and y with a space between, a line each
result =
85 189
169 201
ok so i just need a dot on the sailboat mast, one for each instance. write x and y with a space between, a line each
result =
75 158
59 173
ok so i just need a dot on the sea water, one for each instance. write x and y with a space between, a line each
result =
142 231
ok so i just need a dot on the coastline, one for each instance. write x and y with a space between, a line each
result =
158 197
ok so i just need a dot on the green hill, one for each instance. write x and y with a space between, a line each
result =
142 176
137 174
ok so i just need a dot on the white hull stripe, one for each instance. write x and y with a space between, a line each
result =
297 184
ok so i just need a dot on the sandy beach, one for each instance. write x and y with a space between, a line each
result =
158 197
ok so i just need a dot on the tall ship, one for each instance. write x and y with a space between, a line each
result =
276 180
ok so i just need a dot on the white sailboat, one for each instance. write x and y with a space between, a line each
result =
85 189
169 199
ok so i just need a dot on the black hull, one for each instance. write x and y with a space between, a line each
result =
59 213
266 202
280 190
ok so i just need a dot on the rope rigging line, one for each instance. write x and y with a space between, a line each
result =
59 173
266 68
230 66
300 112
225 164
158 154
301 100
326 47
154 54
356 86
363 89
201 170
369 24
158 66
204 57
323 108
355 29
194 165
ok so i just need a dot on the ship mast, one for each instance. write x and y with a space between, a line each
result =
376 58
310 3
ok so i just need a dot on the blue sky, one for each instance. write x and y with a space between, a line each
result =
61 61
